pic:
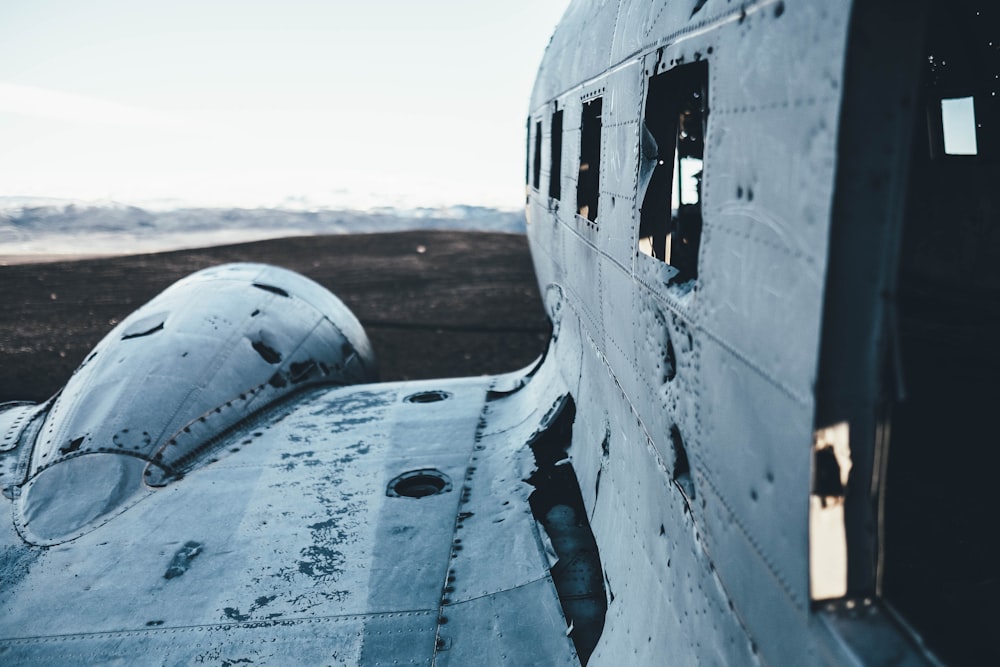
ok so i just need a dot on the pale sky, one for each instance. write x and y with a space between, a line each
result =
252 103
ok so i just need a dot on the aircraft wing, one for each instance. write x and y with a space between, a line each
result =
291 550
371 523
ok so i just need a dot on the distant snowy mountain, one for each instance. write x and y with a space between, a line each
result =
45 226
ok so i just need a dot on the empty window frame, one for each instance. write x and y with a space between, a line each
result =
527 153
676 117
555 154
588 182
536 179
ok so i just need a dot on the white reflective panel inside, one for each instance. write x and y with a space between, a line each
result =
958 118
685 188
827 530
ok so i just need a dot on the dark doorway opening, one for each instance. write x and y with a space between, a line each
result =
557 505
941 554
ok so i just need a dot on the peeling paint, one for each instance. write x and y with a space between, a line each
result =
181 561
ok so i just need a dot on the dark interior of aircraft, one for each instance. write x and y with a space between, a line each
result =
676 116
557 504
941 551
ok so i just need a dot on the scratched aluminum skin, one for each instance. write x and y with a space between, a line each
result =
286 549
708 565
213 350
279 540
618 316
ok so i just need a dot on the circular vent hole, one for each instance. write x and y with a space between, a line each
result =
418 484
428 397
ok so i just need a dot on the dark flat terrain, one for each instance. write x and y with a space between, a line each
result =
467 305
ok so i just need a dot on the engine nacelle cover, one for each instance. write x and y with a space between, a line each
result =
158 392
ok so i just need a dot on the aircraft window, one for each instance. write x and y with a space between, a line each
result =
555 152
827 534
537 171
958 125
527 151
588 183
676 122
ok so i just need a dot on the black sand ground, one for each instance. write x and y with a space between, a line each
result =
435 304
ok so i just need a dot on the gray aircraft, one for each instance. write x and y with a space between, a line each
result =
766 235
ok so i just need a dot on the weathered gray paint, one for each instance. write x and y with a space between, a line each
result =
721 577
282 546
300 556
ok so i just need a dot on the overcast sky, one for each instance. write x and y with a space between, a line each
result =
248 103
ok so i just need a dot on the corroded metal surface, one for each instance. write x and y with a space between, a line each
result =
695 392
287 549
405 522
149 403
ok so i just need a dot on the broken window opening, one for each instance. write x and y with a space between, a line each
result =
588 181
557 504
527 153
827 531
536 180
555 153
676 123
